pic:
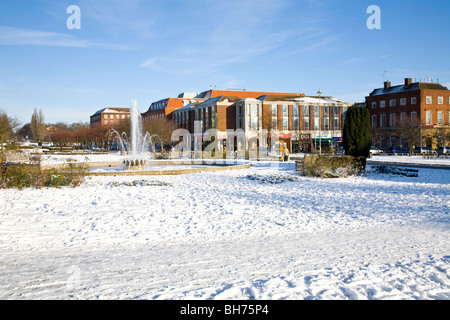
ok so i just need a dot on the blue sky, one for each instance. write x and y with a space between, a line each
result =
154 49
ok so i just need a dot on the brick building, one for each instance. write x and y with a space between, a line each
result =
109 117
424 103
165 107
299 122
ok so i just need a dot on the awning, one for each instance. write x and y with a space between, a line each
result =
322 140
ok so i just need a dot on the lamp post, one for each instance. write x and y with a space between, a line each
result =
320 136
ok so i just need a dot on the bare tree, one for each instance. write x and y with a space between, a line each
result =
270 124
161 130
38 125
411 130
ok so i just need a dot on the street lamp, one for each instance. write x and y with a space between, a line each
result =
320 136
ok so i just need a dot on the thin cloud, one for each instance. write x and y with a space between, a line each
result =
30 37
231 33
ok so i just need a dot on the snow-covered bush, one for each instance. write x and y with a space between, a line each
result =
332 167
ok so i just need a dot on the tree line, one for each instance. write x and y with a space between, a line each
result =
78 134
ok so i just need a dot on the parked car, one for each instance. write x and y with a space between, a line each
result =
424 150
375 150
398 150
443 150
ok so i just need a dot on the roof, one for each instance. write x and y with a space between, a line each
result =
277 97
224 98
242 94
321 100
302 99
112 110
250 100
412 87
189 106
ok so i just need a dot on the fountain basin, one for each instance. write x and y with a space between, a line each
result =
167 168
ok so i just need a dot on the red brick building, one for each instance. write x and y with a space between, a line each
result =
109 117
426 103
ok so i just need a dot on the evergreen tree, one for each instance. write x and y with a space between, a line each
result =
357 132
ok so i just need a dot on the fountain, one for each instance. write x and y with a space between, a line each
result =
139 153
137 145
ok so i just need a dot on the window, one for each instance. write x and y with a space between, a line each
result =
335 118
392 103
253 114
374 121
428 118
285 116
213 114
383 142
123 117
440 118
295 118
403 101
111 116
374 105
393 140
241 116
392 120
383 104
306 118
429 100
403 118
414 100
117 116
326 118
344 115
316 115
382 120
440 100
274 116
413 117
106 116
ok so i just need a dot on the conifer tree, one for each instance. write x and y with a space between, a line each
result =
357 132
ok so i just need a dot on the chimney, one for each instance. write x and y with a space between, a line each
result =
408 81
387 84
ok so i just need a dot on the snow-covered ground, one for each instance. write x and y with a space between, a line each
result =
259 233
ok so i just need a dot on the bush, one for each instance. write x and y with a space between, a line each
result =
332 167
25 176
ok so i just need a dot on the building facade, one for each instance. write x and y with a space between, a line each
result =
109 117
302 124
270 120
394 108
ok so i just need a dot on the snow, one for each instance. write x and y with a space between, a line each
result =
259 233
443 161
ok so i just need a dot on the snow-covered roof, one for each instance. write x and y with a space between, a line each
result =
317 100
187 95
250 100
112 110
